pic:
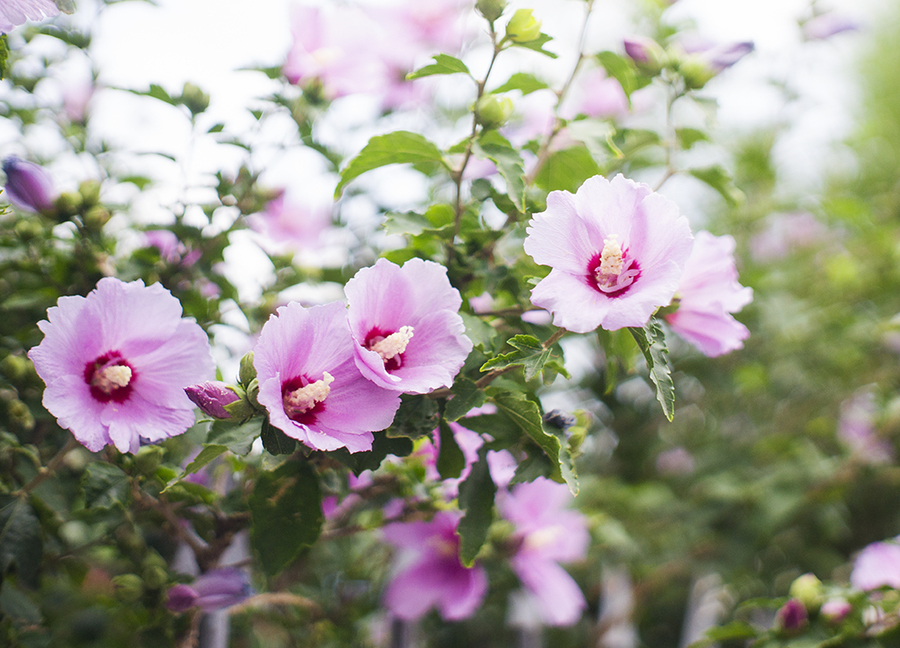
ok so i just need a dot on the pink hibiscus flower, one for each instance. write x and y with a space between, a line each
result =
405 323
617 250
16 12
309 383
116 364
547 534
430 573
877 565
709 292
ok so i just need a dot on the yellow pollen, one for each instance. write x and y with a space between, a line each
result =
112 377
611 257
394 344
305 398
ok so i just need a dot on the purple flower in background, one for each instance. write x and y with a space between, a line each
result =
709 292
288 224
877 565
28 186
429 573
786 233
212 397
16 12
835 610
716 56
405 323
309 382
597 95
856 430
547 534
827 25
167 244
215 590
792 615
617 250
116 364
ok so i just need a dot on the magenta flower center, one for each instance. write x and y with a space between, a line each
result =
110 378
612 271
304 399
390 346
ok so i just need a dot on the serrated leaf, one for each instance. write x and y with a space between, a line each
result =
206 455
275 441
652 342
285 514
21 543
527 416
525 83
382 446
529 353
237 438
104 485
538 45
717 178
509 164
466 396
566 170
443 64
450 460
417 416
399 147
476 498
406 223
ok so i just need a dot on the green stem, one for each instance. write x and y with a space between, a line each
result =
48 470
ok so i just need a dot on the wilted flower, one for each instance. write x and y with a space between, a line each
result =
547 534
708 293
28 186
617 250
877 565
116 364
215 590
405 323
309 382
212 397
17 12
429 572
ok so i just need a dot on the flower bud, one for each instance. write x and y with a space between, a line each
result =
247 371
68 204
808 590
96 217
148 458
16 367
20 415
212 397
835 610
90 192
129 587
214 590
490 9
194 99
28 229
523 27
492 111
646 53
791 617
181 597
28 186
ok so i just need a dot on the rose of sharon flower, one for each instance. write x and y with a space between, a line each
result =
405 323
215 590
709 292
16 12
547 534
877 565
309 383
617 250
430 573
116 364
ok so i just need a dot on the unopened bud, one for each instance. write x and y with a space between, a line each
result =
490 9
28 186
835 610
646 53
90 192
492 111
68 204
808 590
16 367
129 587
155 577
19 415
194 99
148 458
28 229
523 27
212 397
791 617
247 372
96 217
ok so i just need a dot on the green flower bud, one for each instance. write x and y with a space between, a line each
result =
96 217
490 9
147 459
155 576
492 111
253 392
19 415
808 590
695 71
16 367
90 192
194 99
240 409
247 371
28 229
523 27
68 204
129 587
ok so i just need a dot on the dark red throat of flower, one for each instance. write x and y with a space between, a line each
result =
110 378
612 285
375 336
303 418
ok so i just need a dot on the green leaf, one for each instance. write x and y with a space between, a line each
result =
104 485
399 147
717 178
450 461
620 69
275 441
237 438
538 45
509 164
443 64
206 455
476 498
21 543
525 83
4 55
466 396
218 128
406 223
687 137
158 92
480 332
652 342
417 416
382 446
527 416
529 354
565 170
15 605
285 514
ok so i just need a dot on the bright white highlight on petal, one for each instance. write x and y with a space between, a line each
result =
112 377
307 397
394 344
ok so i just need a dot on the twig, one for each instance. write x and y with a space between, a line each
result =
48 470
